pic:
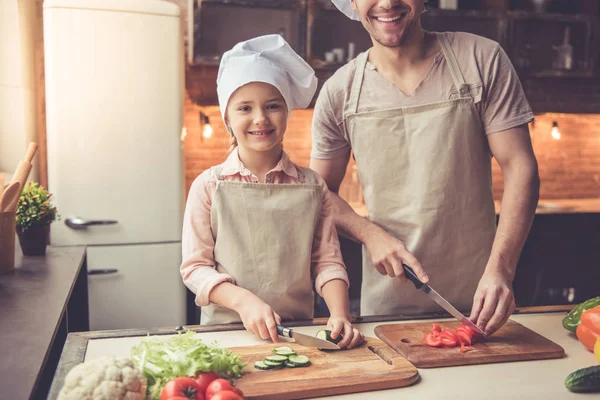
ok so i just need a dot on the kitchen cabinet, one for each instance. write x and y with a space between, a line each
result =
41 301
541 379
316 27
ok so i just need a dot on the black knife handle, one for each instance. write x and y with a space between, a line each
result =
281 331
410 274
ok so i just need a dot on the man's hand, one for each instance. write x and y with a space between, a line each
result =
493 302
388 254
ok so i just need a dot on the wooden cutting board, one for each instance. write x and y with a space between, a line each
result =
372 366
513 342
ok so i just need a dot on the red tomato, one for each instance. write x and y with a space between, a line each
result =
203 379
226 395
433 340
463 337
218 385
449 338
183 387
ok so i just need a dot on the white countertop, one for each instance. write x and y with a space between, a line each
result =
531 380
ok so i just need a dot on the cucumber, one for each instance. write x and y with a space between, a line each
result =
273 363
284 351
299 361
584 380
277 358
262 365
325 334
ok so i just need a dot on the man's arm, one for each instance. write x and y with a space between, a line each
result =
387 252
494 299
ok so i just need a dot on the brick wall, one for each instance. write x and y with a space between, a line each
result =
569 167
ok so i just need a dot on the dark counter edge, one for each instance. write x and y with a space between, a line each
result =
76 344
50 358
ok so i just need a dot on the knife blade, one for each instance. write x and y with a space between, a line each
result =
306 340
442 302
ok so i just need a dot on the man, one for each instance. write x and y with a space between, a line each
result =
423 114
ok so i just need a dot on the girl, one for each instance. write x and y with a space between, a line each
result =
258 228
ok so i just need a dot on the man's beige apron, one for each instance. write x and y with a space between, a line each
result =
264 238
426 178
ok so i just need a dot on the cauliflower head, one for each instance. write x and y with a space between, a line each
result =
105 378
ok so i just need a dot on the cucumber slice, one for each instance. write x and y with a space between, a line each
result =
325 334
262 366
273 363
290 365
284 351
299 361
277 358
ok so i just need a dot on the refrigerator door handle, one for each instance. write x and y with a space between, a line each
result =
80 223
102 271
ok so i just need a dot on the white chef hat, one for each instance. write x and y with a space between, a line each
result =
268 59
345 6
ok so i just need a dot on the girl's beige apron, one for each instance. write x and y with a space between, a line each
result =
426 178
263 238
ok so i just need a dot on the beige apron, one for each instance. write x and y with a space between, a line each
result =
263 238
426 178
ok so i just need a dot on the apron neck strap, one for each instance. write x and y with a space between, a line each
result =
457 76
361 63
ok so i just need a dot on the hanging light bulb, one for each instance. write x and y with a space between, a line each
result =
555 131
207 130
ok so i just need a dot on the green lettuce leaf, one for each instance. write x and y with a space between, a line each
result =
162 359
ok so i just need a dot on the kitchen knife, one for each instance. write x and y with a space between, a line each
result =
435 296
306 340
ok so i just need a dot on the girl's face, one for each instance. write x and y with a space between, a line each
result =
257 115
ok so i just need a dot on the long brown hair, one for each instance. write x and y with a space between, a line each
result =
232 140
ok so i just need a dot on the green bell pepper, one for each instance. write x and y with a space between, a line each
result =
571 321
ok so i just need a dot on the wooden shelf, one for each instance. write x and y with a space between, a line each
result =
316 26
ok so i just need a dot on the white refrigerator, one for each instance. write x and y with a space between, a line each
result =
114 95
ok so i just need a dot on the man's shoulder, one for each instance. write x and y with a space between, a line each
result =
464 43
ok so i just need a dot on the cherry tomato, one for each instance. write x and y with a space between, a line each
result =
227 395
203 379
182 387
219 385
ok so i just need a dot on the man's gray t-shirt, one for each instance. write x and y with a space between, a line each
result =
493 83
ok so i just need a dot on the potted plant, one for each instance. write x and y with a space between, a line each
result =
35 213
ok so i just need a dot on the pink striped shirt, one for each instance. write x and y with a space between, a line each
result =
198 268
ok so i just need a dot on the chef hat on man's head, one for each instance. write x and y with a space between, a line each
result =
268 59
345 6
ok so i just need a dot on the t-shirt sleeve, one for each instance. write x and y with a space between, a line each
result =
328 139
505 105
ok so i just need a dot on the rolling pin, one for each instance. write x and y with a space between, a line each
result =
22 172
1 183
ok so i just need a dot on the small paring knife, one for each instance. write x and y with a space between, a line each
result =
306 340
435 296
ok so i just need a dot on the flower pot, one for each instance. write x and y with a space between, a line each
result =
34 240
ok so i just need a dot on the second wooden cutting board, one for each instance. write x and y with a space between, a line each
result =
372 366
513 342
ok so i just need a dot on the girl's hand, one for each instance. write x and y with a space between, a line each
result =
259 318
340 325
